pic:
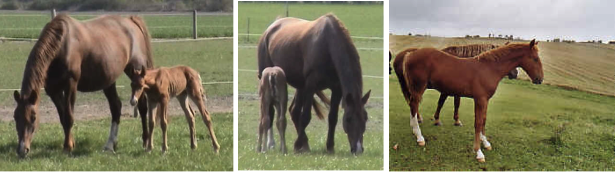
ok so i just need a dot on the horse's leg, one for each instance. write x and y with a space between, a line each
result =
57 97
142 107
264 113
416 95
183 102
69 104
152 117
480 110
296 117
270 137
456 115
483 136
116 109
264 125
198 100
281 123
162 112
336 98
441 101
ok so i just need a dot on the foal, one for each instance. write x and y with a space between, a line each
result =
161 85
273 94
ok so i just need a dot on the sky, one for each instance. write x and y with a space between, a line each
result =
579 20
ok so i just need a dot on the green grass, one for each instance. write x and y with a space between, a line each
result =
29 25
47 155
364 23
531 127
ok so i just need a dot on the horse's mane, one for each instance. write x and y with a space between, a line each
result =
503 51
471 50
45 50
139 22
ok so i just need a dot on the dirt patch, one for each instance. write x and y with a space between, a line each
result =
100 109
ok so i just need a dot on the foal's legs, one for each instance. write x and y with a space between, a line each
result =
456 115
116 109
281 123
183 102
152 117
199 101
441 101
264 125
162 114
336 98
480 110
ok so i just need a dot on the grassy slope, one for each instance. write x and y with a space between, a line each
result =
531 127
248 111
29 25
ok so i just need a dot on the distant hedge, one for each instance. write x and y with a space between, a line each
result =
119 5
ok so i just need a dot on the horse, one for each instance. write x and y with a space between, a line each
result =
273 94
72 56
162 84
316 55
476 78
464 51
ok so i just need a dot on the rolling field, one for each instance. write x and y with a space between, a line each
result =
161 25
531 127
365 23
212 58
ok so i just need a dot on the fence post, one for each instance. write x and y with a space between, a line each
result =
248 34
286 8
53 13
194 33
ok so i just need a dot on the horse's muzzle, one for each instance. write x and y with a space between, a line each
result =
134 101
358 150
22 150
537 81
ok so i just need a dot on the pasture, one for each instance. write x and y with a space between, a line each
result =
531 127
361 20
161 25
212 58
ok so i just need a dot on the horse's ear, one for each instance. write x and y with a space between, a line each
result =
533 43
33 97
366 97
16 95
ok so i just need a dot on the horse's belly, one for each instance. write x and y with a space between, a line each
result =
99 76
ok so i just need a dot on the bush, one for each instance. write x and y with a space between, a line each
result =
11 5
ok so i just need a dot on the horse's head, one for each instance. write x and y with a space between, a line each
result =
531 64
355 119
25 120
137 84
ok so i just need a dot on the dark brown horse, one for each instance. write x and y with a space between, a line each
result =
464 51
316 55
72 56
476 77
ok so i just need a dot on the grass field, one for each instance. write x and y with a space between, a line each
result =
364 23
212 58
163 25
531 127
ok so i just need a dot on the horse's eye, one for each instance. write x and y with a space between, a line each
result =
535 59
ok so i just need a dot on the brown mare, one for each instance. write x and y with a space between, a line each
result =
72 56
316 55
162 84
464 51
476 78
273 94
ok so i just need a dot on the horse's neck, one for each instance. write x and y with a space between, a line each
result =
505 64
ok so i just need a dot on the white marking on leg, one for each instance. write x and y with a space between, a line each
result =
414 123
270 139
486 143
112 136
480 155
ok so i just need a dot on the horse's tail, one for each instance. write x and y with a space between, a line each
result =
141 24
398 65
272 85
264 60
201 89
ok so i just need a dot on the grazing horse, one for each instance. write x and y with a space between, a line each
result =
476 78
72 56
464 51
273 94
316 55
162 84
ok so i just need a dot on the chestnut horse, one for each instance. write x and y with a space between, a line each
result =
316 55
464 51
476 78
72 56
162 84
273 96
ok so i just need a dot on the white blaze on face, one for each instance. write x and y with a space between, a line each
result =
484 139
414 123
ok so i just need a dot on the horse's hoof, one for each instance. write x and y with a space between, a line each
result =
481 160
488 148
108 149
458 124
438 123
421 143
